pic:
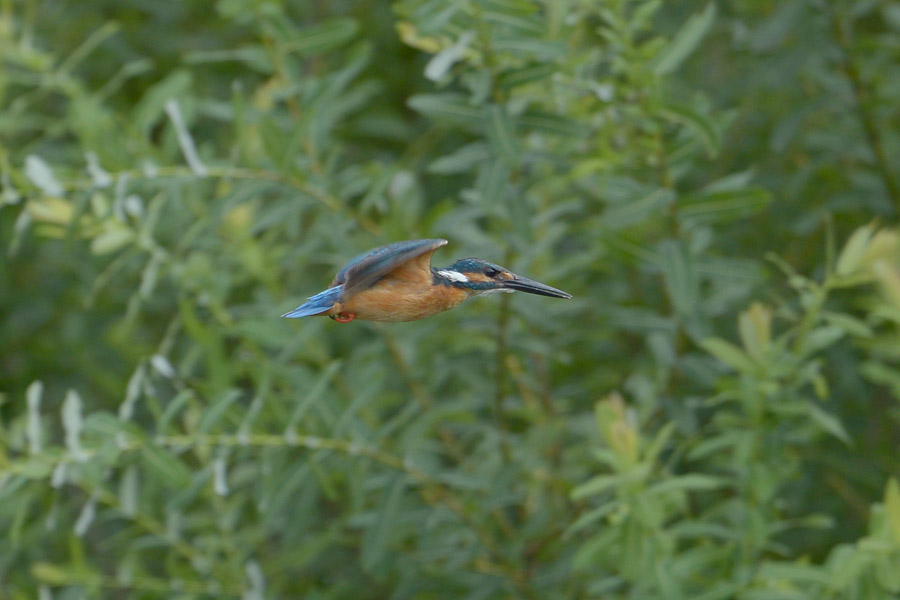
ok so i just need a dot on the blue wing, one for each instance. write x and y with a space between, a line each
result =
316 305
367 268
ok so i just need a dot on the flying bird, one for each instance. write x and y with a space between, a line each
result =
397 283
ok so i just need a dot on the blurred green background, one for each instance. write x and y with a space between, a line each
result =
713 416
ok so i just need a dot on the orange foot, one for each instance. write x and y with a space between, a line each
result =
343 317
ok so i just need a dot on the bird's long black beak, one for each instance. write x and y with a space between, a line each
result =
530 286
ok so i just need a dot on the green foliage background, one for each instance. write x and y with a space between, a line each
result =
714 415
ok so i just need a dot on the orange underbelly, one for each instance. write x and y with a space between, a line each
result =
397 300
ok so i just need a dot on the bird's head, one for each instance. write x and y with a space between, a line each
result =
479 277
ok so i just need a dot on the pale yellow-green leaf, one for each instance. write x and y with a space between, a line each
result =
755 328
851 256
892 507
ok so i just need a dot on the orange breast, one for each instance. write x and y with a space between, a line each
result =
393 299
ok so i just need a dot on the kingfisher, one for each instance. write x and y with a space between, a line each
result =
397 283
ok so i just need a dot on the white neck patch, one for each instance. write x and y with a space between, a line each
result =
453 276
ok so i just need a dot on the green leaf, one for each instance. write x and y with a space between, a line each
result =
378 535
72 424
531 74
597 485
552 123
724 205
685 41
33 430
170 471
828 422
438 66
321 37
214 413
312 396
681 279
851 256
892 509
501 134
635 212
493 178
690 482
152 105
729 354
448 107
41 175
463 160
702 125
114 238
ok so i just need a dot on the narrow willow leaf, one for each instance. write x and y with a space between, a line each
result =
541 50
253 56
501 134
848 323
321 37
702 125
132 393
493 178
725 204
892 508
166 467
441 62
99 176
378 535
450 107
217 409
114 238
552 124
593 516
86 516
597 485
635 212
151 106
463 160
41 175
689 482
72 424
129 492
755 329
173 408
685 41
525 76
162 366
828 422
9 195
681 279
23 222
59 476
313 395
184 139
852 254
888 277
220 476
523 25
729 354
150 274
256 582
33 429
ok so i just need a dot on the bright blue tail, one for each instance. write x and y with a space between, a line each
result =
316 305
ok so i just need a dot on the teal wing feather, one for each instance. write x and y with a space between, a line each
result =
365 269
316 305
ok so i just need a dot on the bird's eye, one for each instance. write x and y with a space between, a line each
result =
491 272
